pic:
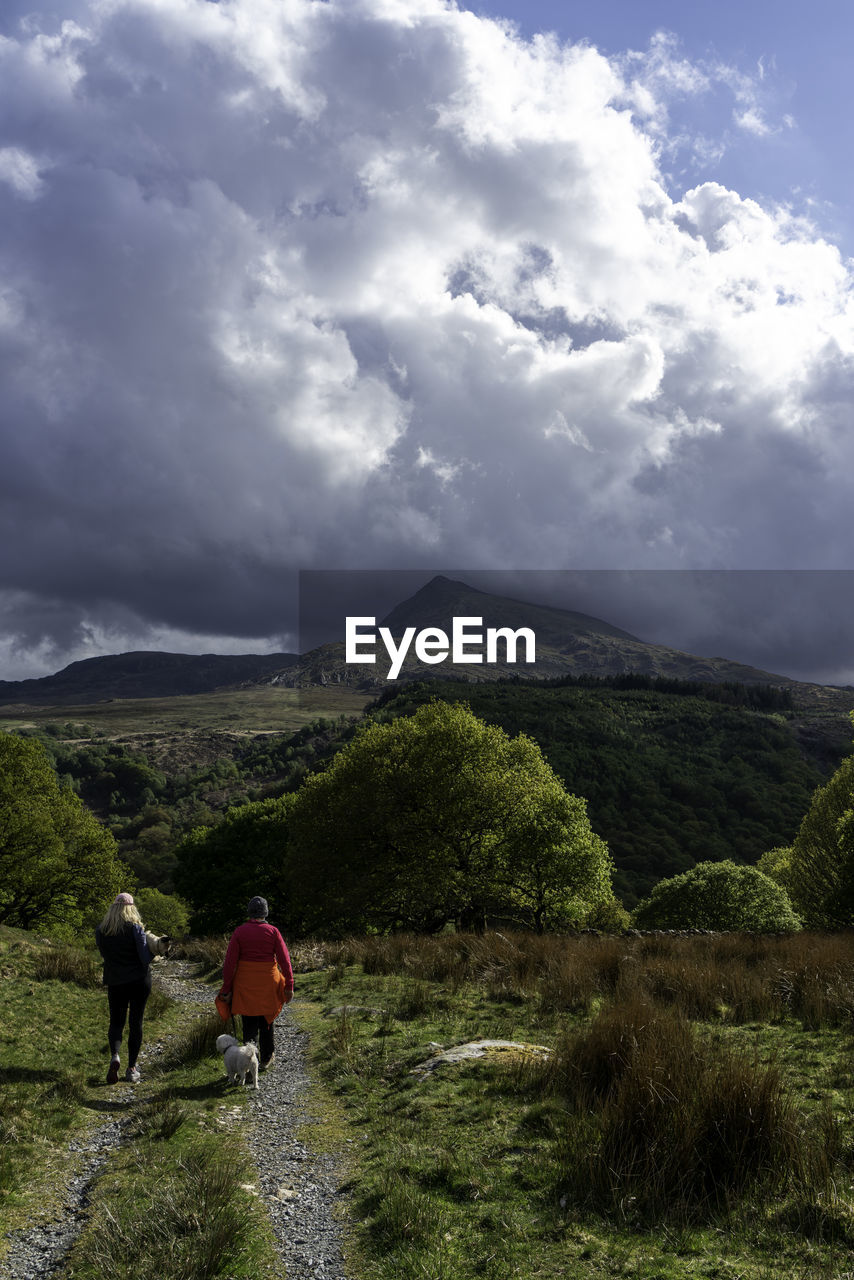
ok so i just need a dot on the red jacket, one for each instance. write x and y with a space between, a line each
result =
256 941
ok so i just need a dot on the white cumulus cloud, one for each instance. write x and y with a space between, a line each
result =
377 282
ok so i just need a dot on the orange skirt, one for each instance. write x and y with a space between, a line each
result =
259 990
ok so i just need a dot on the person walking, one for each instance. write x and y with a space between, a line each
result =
257 978
127 976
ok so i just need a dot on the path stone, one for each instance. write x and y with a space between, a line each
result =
479 1049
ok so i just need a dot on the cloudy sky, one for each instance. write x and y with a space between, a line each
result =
388 284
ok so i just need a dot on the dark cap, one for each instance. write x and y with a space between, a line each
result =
258 909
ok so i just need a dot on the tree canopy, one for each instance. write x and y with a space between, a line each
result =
162 912
220 868
821 865
721 896
432 818
439 817
58 865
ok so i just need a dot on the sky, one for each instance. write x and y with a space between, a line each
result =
400 284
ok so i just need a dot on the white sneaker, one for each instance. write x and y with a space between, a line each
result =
132 1075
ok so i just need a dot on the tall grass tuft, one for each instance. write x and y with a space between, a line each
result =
190 1223
67 964
659 1128
209 952
738 978
398 1212
158 1004
197 1042
160 1118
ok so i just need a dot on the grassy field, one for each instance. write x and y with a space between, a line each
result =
270 709
672 1108
693 1119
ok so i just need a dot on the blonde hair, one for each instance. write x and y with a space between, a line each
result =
119 915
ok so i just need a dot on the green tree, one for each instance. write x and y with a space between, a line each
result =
777 865
721 896
58 865
220 868
162 912
437 817
822 859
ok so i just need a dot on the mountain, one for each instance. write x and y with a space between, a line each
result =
144 675
568 644
443 598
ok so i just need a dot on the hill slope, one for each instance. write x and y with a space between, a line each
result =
143 675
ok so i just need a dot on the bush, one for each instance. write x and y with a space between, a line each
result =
720 896
163 912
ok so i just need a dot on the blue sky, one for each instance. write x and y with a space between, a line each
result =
805 54
388 284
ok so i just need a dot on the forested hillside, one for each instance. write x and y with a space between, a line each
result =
673 772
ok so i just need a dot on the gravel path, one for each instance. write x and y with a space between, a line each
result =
39 1251
298 1187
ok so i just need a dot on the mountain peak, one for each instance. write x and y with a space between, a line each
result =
442 599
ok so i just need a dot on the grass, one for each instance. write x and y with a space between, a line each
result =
271 709
694 1119
179 1210
661 1130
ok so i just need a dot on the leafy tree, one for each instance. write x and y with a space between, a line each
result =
721 896
58 865
437 817
670 805
162 912
219 869
822 859
776 864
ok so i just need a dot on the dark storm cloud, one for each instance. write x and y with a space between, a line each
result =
378 284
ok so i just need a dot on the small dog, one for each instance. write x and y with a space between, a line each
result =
158 946
241 1060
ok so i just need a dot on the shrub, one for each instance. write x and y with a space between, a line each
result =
163 912
720 896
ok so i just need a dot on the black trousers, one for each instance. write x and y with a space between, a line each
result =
128 998
256 1029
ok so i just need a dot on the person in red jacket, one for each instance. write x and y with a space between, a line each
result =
257 977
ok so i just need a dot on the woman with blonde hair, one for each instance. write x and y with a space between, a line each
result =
121 941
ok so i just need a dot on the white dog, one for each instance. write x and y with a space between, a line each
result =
241 1060
158 946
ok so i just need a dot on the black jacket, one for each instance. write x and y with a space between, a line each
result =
126 954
